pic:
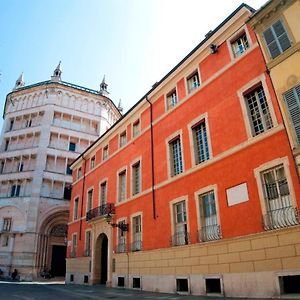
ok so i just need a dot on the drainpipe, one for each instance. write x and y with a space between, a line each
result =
82 197
152 161
281 114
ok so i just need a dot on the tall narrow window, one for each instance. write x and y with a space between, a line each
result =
136 233
103 193
89 203
175 156
201 149
105 152
92 163
277 39
193 81
6 145
123 139
136 128
20 166
136 178
15 190
171 99
79 173
280 211
121 247
180 236
292 100
74 245
11 125
68 170
258 110
1 167
210 229
240 45
7 224
75 215
87 251
122 186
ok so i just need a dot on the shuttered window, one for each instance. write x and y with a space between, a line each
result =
277 39
292 100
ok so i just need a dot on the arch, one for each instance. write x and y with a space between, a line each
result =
101 259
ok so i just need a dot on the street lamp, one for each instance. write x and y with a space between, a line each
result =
122 226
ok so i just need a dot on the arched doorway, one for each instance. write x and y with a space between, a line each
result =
101 258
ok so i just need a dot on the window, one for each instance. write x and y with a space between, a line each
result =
175 156
87 251
7 224
136 128
67 191
11 125
136 233
28 123
20 166
5 240
136 178
180 236
122 186
258 111
74 245
103 193
69 170
89 202
79 173
105 152
201 150
6 145
123 139
193 81
280 211
15 190
1 167
292 100
277 39
136 283
210 229
75 215
213 285
182 285
240 45
92 163
72 146
121 246
171 99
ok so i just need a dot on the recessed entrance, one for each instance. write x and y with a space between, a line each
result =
58 261
101 258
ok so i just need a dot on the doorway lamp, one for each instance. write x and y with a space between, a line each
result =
122 226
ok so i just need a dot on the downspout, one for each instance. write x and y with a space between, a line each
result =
82 197
152 161
283 120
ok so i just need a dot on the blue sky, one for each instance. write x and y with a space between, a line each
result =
133 42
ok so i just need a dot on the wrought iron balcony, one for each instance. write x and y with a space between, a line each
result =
121 248
209 233
101 211
180 238
280 218
136 246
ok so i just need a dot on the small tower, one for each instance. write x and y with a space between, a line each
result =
57 73
120 107
20 82
103 87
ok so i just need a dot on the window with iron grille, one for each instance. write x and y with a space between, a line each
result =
175 156
7 224
277 39
75 215
121 247
136 233
92 163
210 229
122 186
123 139
89 202
193 81
136 128
280 211
240 45
172 99
136 178
180 227
105 152
258 110
201 149
103 192
292 100
87 243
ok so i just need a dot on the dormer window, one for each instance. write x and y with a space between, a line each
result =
193 81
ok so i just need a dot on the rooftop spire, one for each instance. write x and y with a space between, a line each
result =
20 82
120 107
103 87
57 73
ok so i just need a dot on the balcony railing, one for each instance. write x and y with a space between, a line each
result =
73 252
280 218
121 248
180 238
101 211
136 245
87 252
209 233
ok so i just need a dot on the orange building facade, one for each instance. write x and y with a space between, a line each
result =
194 190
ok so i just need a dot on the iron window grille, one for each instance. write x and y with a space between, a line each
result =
136 244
